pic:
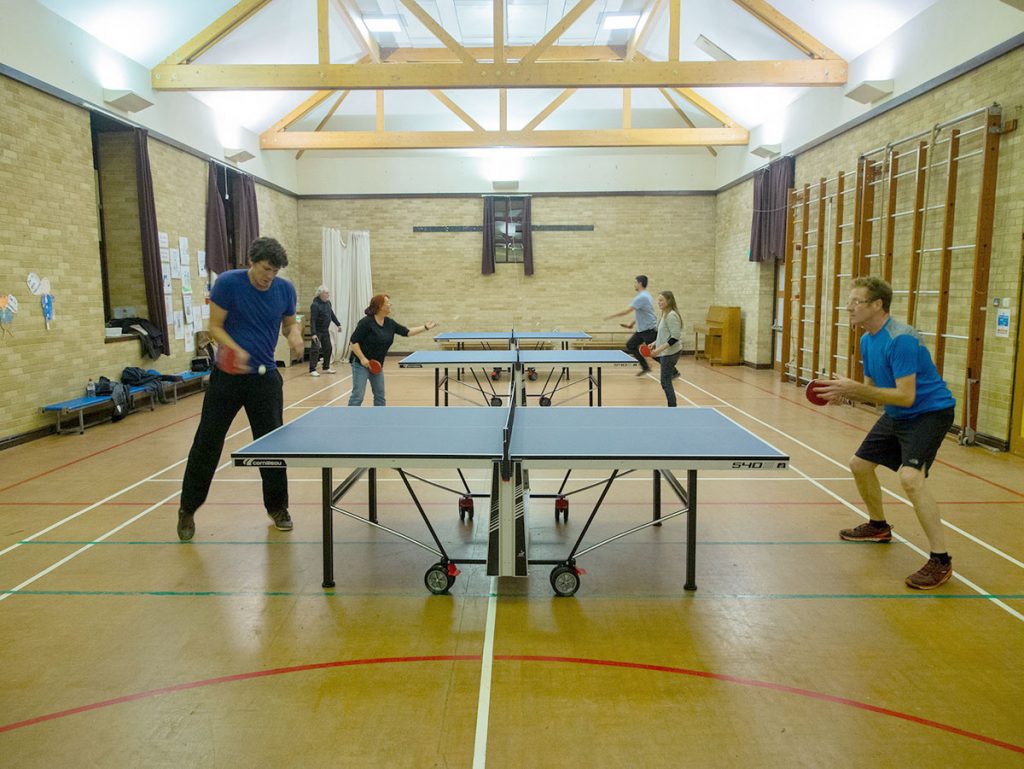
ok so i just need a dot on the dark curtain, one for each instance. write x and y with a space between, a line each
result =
527 238
216 225
247 221
487 264
151 270
768 225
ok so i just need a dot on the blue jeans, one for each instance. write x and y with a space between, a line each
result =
359 376
668 371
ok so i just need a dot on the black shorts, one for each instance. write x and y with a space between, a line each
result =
912 442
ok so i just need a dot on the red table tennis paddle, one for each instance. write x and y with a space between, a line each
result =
812 392
374 366
645 350
227 359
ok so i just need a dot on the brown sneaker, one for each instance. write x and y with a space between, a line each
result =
931 575
867 532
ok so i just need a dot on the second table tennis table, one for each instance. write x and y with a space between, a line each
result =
556 382
511 443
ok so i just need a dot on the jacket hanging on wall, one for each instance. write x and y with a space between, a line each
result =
150 336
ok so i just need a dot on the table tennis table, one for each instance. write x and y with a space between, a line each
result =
508 340
511 442
526 363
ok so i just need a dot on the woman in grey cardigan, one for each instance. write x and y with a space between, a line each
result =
667 347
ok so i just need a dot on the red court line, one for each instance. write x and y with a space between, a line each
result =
520 658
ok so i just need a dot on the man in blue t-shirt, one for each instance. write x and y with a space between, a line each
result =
898 373
248 308
645 321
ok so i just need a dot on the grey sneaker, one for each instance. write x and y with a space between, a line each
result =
282 521
867 532
186 525
931 575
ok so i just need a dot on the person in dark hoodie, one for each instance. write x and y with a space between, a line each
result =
321 315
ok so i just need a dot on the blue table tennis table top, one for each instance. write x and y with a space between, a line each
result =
636 437
485 336
506 358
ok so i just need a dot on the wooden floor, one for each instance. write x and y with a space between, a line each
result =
122 647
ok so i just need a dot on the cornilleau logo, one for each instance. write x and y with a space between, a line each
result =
263 462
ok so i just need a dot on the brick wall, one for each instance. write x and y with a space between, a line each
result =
579 277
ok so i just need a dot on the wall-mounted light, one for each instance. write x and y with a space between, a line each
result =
126 101
767 151
870 91
712 50
237 155
509 186
382 24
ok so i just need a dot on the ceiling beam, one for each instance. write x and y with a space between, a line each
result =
649 74
215 31
789 31
674 22
330 113
686 118
459 112
498 15
437 31
512 53
543 114
323 38
354 21
556 32
633 137
301 111
643 27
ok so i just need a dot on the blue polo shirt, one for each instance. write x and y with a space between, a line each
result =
896 351
253 316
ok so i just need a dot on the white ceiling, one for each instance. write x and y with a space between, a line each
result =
285 32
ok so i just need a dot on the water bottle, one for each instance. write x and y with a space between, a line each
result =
90 388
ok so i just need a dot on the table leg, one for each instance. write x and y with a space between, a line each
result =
691 531
372 501
328 529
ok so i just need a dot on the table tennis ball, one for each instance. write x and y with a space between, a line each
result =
262 369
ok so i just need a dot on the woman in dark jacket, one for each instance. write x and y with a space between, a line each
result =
321 315
371 340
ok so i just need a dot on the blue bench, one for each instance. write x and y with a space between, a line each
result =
185 379
78 407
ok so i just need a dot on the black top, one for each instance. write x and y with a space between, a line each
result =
321 315
375 340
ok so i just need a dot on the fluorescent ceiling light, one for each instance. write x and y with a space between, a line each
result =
870 91
712 50
128 101
382 24
620 20
767 151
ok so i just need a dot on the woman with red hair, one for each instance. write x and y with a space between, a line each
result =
371 340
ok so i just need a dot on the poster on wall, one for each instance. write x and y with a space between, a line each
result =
186 306
164 240
165 255
175 264
186 280
183 250
165 270
197 317
201 263
169 307
179 324
1003 321
190 339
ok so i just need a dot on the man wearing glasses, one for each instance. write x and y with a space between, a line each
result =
898 373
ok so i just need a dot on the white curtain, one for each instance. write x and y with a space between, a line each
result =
346 273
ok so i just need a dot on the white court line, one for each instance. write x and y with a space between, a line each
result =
972 538
483 705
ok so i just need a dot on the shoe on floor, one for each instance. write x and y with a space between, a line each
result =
867 532
330 371
186 525
931 575
314 373
282 521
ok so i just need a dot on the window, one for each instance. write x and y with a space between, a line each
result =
508 230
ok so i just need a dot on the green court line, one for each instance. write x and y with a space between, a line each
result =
670 596
374 542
